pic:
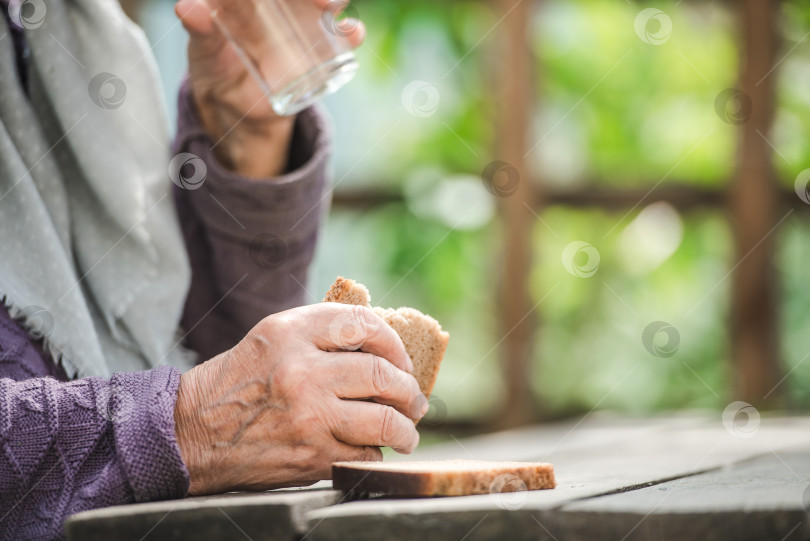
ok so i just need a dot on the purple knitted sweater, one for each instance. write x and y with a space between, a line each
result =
67 447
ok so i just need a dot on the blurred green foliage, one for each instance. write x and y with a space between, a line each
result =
590 348
378 141
794 254
621 112
407 261
789 136
611 111
792 124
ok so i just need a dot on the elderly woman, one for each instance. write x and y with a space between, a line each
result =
115 283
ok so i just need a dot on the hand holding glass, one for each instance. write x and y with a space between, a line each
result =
295 51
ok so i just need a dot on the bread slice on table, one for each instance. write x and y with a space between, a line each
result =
423 337
441 477
426 343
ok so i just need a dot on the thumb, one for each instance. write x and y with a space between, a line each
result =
196 17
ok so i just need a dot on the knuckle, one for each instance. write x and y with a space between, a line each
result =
268 324
304 429
413 384
382 375
287 377
349 328
361 313
360 323
367 321
309 457
264 325
388 428
272 329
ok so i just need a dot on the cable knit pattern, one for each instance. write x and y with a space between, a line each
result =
144 436
20 358
66 447
69 447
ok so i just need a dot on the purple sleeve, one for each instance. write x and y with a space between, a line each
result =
250 242
69 447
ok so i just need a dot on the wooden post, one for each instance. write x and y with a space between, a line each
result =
755 211
516 305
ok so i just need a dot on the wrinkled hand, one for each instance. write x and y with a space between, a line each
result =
303 389
251 138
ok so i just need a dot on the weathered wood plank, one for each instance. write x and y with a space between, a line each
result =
592 457
763 498
536 442
625 459
275 515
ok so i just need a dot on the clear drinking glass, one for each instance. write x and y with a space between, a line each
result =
295 51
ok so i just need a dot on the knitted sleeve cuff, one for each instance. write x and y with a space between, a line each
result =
140 406
234 207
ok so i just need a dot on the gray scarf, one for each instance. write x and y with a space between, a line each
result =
91 254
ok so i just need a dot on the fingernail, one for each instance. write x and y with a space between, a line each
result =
410 363
420 406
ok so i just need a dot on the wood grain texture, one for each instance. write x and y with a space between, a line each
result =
596 457
681 477
764 498
270 515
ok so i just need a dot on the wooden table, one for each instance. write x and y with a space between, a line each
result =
680 477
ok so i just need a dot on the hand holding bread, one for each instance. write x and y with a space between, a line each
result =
423 337
305 388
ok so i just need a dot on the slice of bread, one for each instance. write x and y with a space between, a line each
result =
422 335
441 477
347 291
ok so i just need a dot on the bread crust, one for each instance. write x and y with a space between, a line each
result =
442 478
423 337
346 291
